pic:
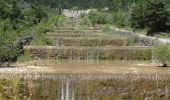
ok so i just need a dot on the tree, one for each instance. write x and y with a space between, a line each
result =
137 16
4 10
151 15
162 53
15 15
155 15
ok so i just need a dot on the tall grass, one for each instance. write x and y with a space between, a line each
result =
49 24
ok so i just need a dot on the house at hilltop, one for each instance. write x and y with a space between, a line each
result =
75 13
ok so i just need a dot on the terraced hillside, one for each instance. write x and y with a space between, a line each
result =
88 44
86 64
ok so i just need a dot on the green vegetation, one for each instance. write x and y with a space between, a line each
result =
162 53
151 15
8 53
97 18
33 19
163 35
132 39
24 58
19 19
40 37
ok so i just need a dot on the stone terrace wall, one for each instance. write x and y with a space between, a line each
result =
98 52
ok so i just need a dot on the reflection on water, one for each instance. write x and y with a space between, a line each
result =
110 89
85 80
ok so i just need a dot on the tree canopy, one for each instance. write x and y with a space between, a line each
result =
16 16
151 15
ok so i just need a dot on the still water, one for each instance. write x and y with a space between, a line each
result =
85 80
87 66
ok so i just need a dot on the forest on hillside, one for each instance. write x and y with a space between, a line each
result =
113 5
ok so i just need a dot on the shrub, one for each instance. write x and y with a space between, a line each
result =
97 17
84 20
24 58
42 40
162 53
132 39
8 53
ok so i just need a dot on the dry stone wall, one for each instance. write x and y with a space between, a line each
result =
80 52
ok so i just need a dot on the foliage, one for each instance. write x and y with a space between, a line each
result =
24 58
97 17
42 40
8 53
15 18
137 16
46 24
120 19
162 53
113 5
155 16
151 15
163 35
132 39
84 20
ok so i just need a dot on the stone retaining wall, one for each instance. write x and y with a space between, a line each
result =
96 52
90 42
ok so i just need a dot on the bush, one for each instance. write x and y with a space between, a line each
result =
24 58
40 37
97 17
8 53
132 39
84 20
162 53
42 40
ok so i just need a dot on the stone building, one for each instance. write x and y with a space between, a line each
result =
75 13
